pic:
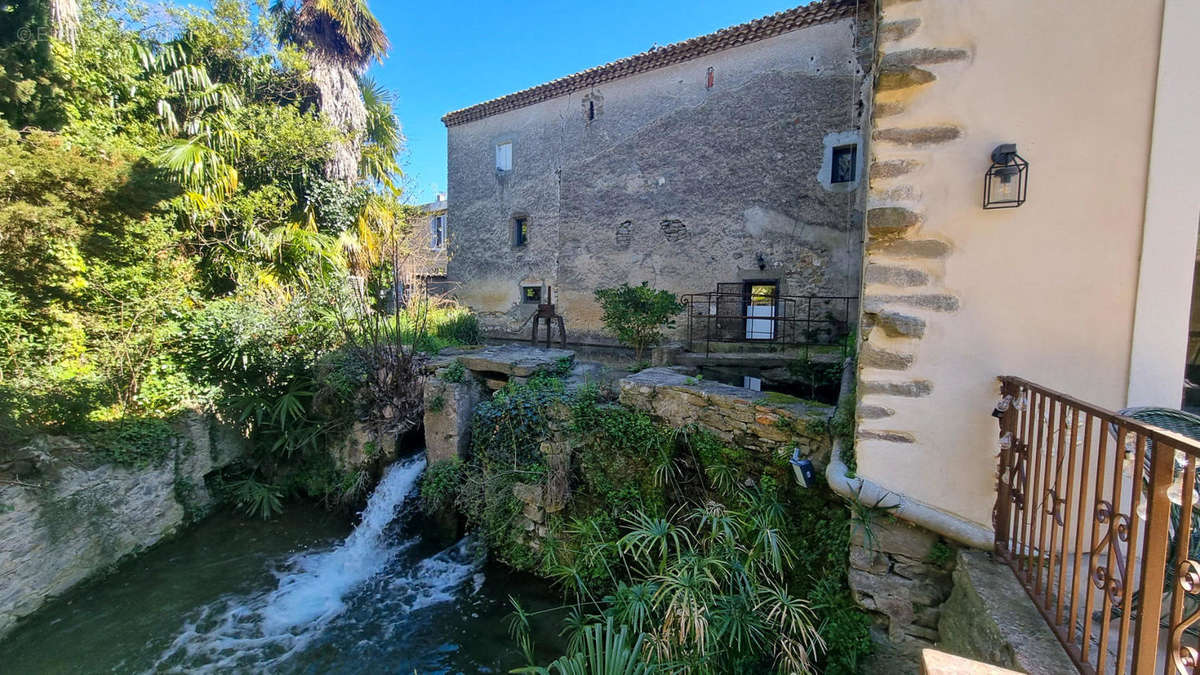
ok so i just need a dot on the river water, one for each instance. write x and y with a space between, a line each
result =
303 593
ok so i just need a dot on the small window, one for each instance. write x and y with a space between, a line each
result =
591 110
520 231
845 159
437 232
531 295
504 157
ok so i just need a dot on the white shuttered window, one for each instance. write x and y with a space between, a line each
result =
504 157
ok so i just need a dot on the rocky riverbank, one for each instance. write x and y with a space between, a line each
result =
67 515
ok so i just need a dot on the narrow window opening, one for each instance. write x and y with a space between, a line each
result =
438 232
711 78
531 295
845 161
520 231
591 113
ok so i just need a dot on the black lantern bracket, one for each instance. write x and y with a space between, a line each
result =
1007 179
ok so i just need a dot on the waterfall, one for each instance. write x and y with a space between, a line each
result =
315 589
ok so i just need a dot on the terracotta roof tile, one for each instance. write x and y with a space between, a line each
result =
814 13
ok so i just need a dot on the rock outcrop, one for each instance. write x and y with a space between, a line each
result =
66 515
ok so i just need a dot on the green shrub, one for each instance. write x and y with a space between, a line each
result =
941 553
437 404
638 315
816 375
454 373
457 325
439 485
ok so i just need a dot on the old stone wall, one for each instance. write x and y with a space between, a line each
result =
990 617
901 574
673 182
450 400
67 517
758 421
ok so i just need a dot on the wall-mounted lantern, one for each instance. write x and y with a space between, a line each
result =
761 260
806 475
1007 179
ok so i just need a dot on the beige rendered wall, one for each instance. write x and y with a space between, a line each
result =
1172 214
955 295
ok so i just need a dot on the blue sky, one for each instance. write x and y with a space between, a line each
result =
449 55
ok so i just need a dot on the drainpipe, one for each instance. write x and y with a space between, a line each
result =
949 526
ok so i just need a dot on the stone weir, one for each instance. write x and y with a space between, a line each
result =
451 397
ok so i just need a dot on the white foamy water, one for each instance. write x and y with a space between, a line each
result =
264 630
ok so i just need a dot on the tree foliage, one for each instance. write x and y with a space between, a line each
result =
638 315
170 240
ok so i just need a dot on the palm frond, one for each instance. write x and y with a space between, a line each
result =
344 30
605 651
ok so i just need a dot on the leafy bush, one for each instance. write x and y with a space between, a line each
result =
818 376
95 286
439 485
457 325
454 373
638 315
663 535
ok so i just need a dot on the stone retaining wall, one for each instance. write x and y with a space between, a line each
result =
65 516
758 421
901 575
449 405
990 617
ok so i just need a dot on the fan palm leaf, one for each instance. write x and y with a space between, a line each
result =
384 139
605 650
651 538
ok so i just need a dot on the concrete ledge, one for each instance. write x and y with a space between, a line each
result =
990 617
934 662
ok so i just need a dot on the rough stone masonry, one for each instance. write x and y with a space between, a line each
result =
712 164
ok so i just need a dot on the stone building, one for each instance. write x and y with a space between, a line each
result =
422 252
730 158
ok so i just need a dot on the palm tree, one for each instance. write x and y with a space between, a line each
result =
64 20
339 38
383 140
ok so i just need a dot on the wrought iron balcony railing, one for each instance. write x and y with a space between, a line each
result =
1096 514
734 315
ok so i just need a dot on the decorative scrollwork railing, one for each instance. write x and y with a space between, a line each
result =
1096 514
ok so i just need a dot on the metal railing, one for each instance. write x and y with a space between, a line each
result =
796 321
1095 516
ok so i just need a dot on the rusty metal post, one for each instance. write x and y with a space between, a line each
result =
1154 556
1002 511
